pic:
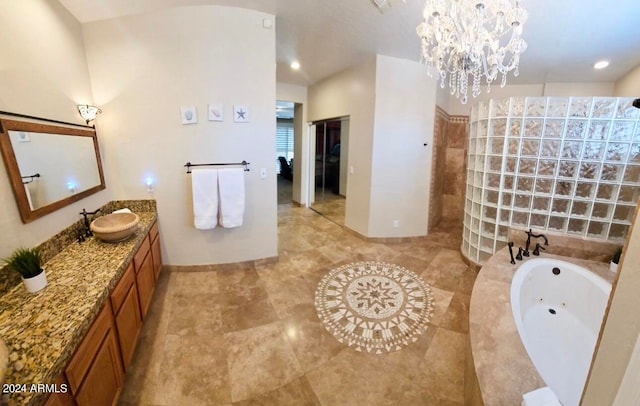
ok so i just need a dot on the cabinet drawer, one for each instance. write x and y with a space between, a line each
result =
141 254
122 288
86 352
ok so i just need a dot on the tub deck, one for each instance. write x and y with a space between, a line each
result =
501 363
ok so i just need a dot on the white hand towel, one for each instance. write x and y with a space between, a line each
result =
231 188
125 210
204 186
540 397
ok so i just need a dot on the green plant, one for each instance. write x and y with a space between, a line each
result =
616 256
26 261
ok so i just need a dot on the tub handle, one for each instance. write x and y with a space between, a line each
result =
536 250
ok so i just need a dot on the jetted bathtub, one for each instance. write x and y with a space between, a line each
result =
558 308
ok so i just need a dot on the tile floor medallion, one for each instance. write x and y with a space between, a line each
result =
374 307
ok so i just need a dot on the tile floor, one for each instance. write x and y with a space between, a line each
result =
249 335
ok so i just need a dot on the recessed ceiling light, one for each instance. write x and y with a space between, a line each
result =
601 64
295 65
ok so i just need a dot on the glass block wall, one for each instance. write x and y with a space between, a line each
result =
568 165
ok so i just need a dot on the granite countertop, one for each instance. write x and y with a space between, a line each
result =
42 331
501 362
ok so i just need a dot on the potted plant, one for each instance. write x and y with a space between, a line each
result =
613 265
28 263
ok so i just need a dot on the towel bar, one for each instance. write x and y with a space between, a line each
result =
245 164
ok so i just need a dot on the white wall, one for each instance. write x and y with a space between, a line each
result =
143 69
442 96
629 85
297 94
44 74
351 93
544 89
401 164
601 89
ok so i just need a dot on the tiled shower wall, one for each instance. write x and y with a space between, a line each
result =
567 165
448 168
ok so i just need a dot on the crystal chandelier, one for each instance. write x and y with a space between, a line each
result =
468 38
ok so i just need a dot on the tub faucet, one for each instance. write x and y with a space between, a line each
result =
87 227
513 261
519 256
529 235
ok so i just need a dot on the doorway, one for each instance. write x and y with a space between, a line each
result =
329 140
285 138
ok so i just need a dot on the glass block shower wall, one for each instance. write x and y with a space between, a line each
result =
567 165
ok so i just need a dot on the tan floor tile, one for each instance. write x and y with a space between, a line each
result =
188 282
442 371
245 334
194 372
311 342
260 360
296 393
195 314
256 312
441 302
457 316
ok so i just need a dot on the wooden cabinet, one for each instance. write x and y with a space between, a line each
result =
63 397
95 373
145 279
155 250
128 318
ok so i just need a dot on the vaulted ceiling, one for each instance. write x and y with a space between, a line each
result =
566 37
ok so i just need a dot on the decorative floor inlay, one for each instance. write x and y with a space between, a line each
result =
373 306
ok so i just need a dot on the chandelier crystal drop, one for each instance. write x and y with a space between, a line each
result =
471 40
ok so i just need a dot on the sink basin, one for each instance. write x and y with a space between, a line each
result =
115 227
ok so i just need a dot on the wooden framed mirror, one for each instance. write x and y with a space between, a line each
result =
50 166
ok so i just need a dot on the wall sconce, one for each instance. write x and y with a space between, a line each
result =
71 187
88 113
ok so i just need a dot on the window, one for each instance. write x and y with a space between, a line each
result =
284 140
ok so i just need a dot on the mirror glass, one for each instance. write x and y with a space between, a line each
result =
329 145
50 166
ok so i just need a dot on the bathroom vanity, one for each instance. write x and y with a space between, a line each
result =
78 335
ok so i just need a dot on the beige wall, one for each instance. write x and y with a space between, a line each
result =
401 164
629 85
351 93
621 328
391 105
298 94
143 69
44 74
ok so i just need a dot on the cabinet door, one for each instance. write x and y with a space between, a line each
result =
61 398
146 283
157 257
101 386
128 324
95 372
